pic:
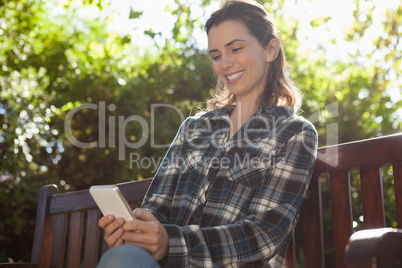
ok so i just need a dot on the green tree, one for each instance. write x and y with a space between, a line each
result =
52 64
54 61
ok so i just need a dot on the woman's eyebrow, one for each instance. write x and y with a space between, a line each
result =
235 40
227 45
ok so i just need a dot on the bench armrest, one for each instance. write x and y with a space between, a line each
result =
375 248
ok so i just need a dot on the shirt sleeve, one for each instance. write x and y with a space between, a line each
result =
273 213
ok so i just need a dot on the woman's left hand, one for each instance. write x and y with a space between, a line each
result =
148 233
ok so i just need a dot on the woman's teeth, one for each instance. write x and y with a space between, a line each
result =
234 76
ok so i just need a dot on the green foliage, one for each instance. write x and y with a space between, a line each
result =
53 63
135 14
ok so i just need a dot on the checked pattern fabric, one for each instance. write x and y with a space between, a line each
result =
233 202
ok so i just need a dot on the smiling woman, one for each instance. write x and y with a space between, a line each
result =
240 61
252 36
229 189
61 53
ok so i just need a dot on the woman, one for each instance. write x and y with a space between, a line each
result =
231 185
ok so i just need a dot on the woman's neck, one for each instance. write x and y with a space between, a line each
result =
239 116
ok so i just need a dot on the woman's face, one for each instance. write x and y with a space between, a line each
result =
239 60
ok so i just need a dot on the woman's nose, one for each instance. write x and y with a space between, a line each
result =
227 61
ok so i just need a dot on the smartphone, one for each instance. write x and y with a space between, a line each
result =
111 201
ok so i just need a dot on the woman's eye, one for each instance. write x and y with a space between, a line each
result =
236 49
215 57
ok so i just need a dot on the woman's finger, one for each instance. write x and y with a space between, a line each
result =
114 231
141 226
106 220
143 215
115 239
151 236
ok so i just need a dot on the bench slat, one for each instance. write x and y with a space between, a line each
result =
40 238
91 239
105 247
46 247
311 220
75 239
397 168
68 202
81 200
372 197
135 196
291 254
59 239
376 151
341 213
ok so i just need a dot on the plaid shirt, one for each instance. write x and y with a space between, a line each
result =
233 202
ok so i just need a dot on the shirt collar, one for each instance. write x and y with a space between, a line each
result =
276 111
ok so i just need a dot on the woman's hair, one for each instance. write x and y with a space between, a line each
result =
280 89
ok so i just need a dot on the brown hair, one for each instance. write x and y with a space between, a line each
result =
280 89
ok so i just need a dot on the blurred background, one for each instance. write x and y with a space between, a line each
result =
132 58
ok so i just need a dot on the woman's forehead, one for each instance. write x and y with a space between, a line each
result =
227 31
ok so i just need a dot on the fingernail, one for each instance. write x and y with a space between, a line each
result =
120 220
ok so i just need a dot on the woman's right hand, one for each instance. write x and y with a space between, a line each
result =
113 230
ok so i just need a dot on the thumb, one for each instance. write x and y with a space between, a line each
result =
143 215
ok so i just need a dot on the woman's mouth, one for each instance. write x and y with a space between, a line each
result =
234 77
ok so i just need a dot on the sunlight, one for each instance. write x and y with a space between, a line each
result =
154 17
322 27
329 37
339 19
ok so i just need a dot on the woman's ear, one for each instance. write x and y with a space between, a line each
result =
272 50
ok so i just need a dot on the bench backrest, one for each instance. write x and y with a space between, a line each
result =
363 161
67 234
66 229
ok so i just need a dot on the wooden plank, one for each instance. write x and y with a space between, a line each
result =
92 239
19 265
59 239
43 205
46 247
372 197
290 258
311 218
376 151
397 168
82 200
341 213
75 239
105 246
136 192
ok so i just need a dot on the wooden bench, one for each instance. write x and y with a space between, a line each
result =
67 235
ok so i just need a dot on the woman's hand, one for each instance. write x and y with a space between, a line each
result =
113 230
148 233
